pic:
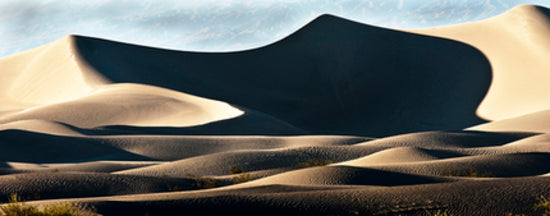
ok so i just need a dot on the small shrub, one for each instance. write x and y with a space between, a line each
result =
544 204
472 172
66 209
202 182
175 188
438 213
16 207
315 162
242 178
235 170
207 183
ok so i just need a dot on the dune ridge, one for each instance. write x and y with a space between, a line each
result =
517 47
338 118
350 84
130 104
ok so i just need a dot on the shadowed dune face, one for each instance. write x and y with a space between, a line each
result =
483 197
332 76
25 146
36 147
46 185
346 175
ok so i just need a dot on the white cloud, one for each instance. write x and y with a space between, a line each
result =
213 25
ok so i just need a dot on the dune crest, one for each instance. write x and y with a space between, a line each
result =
48 74
52 83
518 48
41 126
393 155
533 122
350 80
131 104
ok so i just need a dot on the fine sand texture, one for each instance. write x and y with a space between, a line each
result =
338 118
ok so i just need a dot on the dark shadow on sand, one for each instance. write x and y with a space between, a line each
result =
333 76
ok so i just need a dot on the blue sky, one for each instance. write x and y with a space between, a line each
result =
217 25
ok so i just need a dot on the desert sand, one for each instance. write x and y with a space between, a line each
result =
338 118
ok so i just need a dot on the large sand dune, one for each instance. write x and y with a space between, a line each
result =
338 118
517 47
333 76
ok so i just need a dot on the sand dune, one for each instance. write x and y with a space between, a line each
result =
94 166
50 185
402 155
131 104
517 46
252 160
543 138
180 147
338 118
350 82
463 197
97 166
16 144
42 126
448 139
347 175
44 75
532 122
502 165
22 146
537 143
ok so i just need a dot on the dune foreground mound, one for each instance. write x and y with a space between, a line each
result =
338 118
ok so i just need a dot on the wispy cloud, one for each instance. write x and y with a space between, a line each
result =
211 25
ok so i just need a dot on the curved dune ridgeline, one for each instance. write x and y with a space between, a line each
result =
331 76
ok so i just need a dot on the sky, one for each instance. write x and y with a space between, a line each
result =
218 25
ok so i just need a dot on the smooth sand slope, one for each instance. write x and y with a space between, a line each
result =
339 118
517 46
130 104
533 122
